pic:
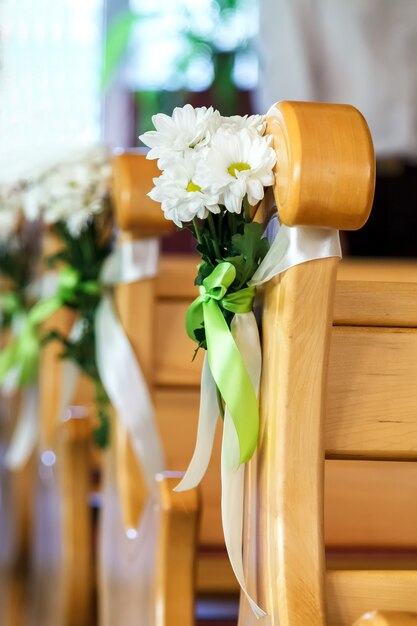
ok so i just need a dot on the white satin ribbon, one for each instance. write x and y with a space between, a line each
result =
117 364
292 246
26 433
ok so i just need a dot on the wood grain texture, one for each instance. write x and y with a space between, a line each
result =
177 553
365 303
325 170
365 502
363 360
369 505
177 274
350 594
372 395
387 618
290 557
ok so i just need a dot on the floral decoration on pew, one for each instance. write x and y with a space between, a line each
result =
73 201
19 250
215 170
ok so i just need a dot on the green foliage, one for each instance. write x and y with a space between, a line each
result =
17 265
86 254
234 238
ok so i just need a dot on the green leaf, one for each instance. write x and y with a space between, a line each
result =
116 45
248 250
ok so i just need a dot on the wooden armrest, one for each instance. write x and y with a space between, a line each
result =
177 550
132 181
387 618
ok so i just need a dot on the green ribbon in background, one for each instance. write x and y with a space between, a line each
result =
24 350
226 363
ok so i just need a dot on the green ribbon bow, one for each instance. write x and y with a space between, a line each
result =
24 351
226 364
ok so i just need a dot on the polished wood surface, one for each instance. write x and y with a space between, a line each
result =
387 618
297 318
132 181
325 170
350 594
177 555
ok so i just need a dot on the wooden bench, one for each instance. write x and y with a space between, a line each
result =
176 382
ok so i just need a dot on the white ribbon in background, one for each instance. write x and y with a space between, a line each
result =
26 432
119 370
292 246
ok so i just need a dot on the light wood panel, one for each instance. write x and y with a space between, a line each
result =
365 303
177 413
177 554
372 393
387 618
173 349
354 496
178 271
364 360
350 594
290 554
371 504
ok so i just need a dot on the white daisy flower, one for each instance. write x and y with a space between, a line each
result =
236 164
188 128
236 122
71 193
181 198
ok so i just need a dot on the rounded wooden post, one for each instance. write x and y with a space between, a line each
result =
138 217
176 557
325 177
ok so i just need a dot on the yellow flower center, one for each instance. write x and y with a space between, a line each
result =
237 167
192 187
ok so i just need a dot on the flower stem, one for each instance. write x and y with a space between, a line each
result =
197 231
246 209
220 402
214 238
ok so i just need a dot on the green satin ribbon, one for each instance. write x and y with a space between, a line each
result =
24 350
226 364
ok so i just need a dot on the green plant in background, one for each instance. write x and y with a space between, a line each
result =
212 33
85 254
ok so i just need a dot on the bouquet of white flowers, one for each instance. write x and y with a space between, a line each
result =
73 199
215 170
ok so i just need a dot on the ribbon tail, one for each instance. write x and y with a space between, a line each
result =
207 422
25 436
232 378
127 389
233 479
245 333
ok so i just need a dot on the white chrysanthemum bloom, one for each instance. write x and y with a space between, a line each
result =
187 129
10 212
71 193
236 122
181 198
237 164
